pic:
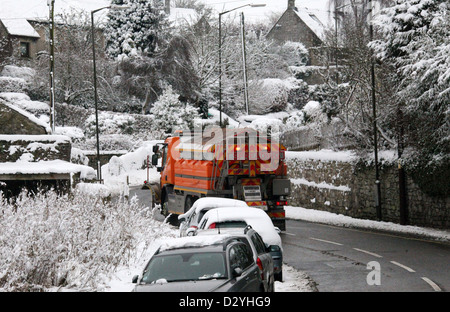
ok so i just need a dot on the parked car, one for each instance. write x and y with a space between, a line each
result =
219 263
192 217
261 253
221 218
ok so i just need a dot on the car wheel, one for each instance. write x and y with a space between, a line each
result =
279 276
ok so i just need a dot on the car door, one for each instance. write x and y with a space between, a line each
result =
264 256
249 280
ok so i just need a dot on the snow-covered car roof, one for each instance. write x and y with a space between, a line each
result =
192 241
257 218
213 202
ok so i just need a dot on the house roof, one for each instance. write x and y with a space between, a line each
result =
312 21
19 27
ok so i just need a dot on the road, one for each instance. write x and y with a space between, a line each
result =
336 259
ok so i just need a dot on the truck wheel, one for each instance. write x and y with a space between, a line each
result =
188 203
164 205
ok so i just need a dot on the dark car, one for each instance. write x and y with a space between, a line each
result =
261 254
219 263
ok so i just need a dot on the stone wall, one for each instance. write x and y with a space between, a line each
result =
34 148
348 188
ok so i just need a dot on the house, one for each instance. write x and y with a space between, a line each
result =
21 35
300 25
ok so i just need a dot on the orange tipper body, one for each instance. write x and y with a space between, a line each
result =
230 163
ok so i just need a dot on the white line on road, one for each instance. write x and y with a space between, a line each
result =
325 241
290 234
368 252
432 284
403 266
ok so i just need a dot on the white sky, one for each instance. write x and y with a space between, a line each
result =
38 8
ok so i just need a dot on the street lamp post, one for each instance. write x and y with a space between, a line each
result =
220 52
99 173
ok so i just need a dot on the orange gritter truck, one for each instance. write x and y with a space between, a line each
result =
231 163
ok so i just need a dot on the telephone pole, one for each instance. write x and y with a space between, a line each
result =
51 5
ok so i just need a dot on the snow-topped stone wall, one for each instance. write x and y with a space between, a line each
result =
33 148
339 182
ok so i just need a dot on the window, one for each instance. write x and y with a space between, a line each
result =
240 257
259 245
24 49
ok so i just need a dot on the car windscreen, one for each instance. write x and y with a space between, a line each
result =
185 267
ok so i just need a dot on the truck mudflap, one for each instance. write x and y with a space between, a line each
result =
278 218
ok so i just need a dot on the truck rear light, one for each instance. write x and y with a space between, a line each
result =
281 203
260 266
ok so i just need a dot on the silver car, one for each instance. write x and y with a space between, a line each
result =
224 264
219 219
189 220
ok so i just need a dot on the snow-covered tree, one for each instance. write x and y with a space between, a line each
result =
416 42
138 30
171 114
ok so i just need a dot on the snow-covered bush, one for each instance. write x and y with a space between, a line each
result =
313 111
171 114
271 126
25 73
295 120
269 95
50 241
110 123
9 84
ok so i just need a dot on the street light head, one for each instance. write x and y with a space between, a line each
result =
257 5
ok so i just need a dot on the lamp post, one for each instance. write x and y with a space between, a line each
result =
220 52
99 173
244 62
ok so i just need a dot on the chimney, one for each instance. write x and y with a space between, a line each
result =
167 7
291 4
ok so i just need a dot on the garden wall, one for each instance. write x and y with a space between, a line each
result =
337 182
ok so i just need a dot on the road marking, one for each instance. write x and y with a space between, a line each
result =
368 252
403 266
325 241
432 284
290 234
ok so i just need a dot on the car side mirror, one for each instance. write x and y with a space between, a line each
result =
191 231
155 159
135 279
277 229
237 272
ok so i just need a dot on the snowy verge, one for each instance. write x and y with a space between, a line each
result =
298 213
